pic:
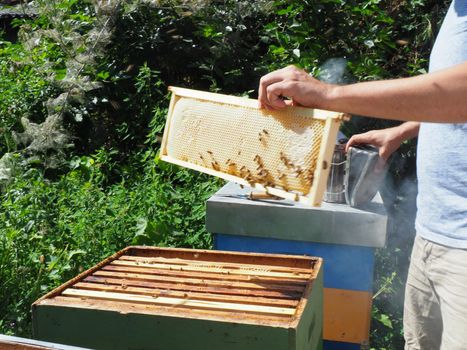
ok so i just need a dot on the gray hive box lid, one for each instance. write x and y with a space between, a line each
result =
230 211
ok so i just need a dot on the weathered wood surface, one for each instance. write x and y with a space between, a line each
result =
160 298
197 282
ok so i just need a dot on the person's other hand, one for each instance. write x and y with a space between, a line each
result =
291 86
387 141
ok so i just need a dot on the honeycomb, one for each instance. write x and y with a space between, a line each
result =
277 149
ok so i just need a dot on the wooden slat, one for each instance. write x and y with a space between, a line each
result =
267 290
173 100
219 270
131 268
213 97
190 295
5 345
179 302
193 288
249 103
252 268
285 262
323 165
152 309
197 281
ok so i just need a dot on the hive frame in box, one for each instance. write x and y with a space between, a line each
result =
331 121
281 308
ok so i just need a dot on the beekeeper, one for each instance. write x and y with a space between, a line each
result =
434 106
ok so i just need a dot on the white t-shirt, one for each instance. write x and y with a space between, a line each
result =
442 149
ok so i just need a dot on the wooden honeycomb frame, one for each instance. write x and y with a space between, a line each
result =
285 153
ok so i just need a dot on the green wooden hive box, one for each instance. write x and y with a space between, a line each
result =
170 299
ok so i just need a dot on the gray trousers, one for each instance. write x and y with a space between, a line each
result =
435 310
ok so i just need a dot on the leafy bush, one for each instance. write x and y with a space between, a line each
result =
52 230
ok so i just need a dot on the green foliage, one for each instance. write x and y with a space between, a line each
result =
22 89
83 105
52 230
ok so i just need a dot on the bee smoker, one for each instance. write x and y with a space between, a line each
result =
335 189
353 177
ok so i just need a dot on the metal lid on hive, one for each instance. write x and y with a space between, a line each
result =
230 211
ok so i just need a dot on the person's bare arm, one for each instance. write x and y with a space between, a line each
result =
433 97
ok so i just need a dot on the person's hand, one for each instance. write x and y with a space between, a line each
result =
291 86
386 140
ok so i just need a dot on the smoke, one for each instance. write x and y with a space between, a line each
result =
399 196
335 71
398 191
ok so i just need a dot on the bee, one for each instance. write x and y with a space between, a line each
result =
286 160
215 166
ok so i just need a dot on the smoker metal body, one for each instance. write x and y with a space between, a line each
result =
354 178
345 237
335 189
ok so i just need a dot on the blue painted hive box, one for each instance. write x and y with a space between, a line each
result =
163 298
345 237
